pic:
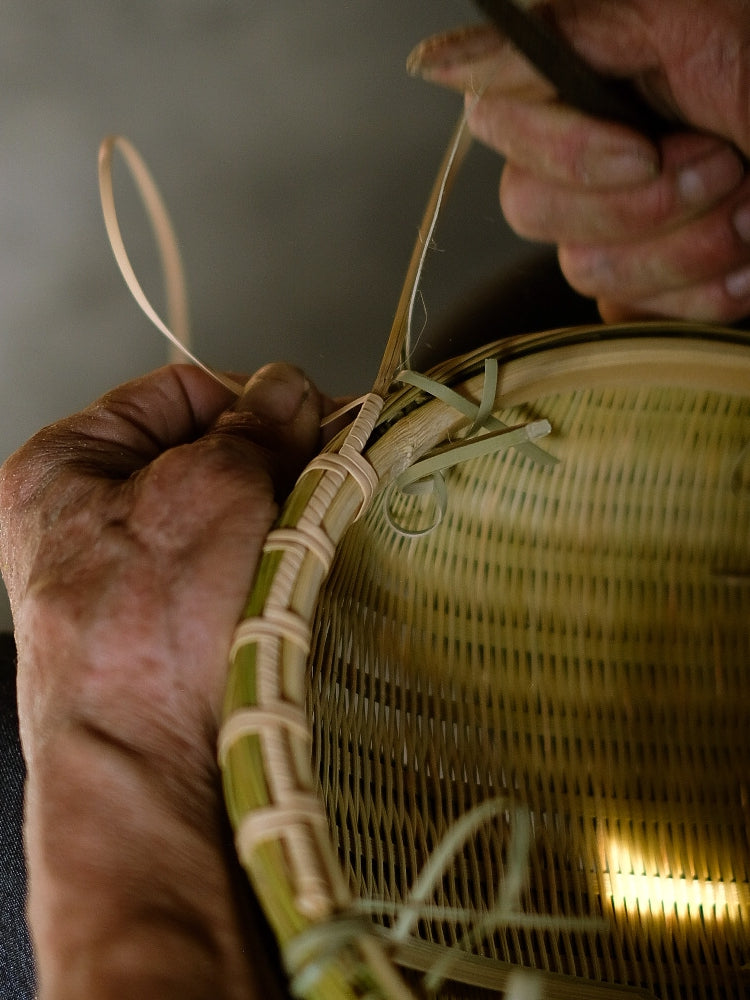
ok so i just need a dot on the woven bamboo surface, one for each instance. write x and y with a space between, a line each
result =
569 644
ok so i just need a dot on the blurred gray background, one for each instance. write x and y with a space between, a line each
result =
295 155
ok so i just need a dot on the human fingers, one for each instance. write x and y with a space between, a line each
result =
280 414
708 249
114 436
513 110
697 173
126 593
723 299
475 59
134 423
137 584
556 143
90 454
690 59
150 414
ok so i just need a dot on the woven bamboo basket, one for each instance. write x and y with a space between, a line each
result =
486 721
494 729
486 718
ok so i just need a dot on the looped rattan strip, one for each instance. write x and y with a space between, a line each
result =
290 821
349 460
349 465
305 536
426 476
276 623
268 719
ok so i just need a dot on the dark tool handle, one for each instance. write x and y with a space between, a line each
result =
577 83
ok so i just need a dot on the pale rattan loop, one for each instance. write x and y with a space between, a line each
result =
276 623
349 461
361 428
432 486
301 824
177 331
305 535
278 820
351 464
271 718
489 390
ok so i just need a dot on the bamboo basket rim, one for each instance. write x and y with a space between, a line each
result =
294 867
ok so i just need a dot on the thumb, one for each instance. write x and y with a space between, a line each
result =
280 412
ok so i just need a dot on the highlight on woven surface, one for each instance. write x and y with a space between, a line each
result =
490 736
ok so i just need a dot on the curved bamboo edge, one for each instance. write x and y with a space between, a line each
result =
279 822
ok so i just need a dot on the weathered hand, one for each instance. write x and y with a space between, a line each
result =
643 231
129 537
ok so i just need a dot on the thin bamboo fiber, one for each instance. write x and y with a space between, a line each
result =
571 640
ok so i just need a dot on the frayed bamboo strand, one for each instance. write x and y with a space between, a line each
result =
398 346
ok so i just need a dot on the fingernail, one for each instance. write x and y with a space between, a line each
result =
737 284
707 179
442 58
741 222
275 394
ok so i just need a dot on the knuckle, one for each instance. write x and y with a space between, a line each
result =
524 208
193 488
653 205
573 154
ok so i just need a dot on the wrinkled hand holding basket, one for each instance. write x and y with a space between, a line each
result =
486 719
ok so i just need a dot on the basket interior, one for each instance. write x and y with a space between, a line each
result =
572 642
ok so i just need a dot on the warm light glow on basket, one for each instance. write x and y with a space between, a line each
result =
630 888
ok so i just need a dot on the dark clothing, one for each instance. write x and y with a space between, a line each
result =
16 964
